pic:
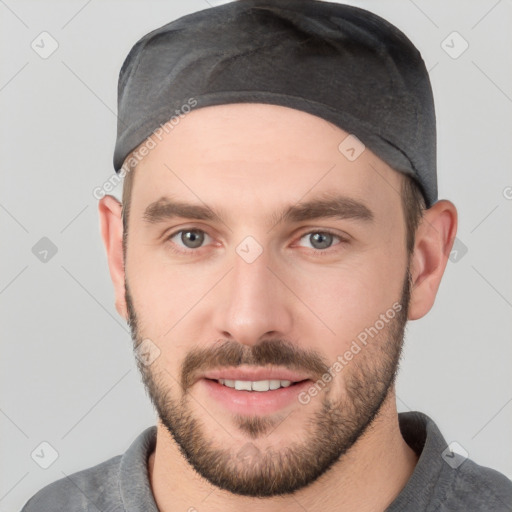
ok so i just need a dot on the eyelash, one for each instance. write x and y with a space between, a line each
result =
316 252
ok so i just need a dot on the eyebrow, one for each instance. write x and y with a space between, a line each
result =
338 207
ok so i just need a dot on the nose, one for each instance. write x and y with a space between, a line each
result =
253 303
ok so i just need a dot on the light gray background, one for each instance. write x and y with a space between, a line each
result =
68 376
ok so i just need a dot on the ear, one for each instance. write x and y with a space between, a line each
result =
111 225
434 240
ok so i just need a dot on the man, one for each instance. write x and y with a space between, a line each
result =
280 224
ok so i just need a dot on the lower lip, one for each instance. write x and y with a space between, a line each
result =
254 402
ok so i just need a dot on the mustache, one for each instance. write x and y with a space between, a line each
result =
232 354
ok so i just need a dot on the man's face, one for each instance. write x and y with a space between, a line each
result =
317 297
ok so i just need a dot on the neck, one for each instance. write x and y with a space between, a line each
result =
366 478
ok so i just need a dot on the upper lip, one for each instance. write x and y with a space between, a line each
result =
255 374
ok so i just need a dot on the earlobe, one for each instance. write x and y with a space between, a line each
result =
111 225
434 240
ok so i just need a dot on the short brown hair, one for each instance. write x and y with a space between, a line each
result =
413 204
127 196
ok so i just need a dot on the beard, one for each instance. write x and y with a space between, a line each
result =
272 471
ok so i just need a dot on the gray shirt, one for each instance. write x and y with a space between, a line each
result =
442 481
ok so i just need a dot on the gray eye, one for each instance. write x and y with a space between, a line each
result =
192 239
321 240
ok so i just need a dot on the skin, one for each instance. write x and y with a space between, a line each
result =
236 161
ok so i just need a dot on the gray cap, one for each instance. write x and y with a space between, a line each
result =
338 62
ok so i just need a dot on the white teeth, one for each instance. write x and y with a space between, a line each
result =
260 385
243 385
275 384
257 385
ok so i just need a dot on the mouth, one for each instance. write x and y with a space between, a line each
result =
255 390
257 385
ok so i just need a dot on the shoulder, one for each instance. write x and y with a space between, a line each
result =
474 487
92 489
111 486
444 480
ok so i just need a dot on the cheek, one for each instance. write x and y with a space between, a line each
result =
162 302
164 293
350 298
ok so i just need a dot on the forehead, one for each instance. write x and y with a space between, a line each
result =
246 156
